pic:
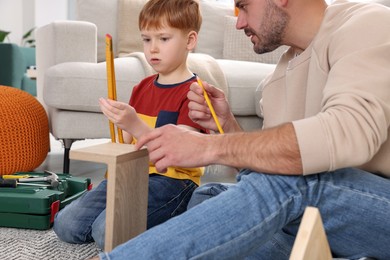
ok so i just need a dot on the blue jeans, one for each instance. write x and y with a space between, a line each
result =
258 218
84 219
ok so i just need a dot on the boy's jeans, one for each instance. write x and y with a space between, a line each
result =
259 217
84 219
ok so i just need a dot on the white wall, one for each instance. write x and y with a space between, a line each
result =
47 11
11 18
19 16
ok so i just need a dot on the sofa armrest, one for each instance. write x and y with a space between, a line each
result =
63 41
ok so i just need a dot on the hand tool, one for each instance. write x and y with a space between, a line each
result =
52 178
15 176
12 183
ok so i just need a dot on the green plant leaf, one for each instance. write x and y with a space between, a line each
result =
3 34
28 33
28 39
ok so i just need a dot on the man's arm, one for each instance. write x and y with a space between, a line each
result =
271 151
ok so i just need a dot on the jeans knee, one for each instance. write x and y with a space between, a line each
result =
69 230
63 231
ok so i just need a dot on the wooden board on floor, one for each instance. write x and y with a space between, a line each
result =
311 242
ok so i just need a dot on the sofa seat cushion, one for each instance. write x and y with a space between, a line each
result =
79 85
243 79
67 124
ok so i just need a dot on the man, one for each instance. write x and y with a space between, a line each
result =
325 142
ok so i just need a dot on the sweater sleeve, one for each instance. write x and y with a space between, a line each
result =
353 124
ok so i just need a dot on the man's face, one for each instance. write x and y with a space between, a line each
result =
264 22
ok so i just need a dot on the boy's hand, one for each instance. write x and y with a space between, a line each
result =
121 114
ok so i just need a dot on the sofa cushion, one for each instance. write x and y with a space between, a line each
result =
210 40
237 46
129 36
243 79
100 13
79 85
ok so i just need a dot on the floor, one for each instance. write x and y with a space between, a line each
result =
96 171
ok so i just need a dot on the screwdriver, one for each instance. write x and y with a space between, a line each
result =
15 176
12 183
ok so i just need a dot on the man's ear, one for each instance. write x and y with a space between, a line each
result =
192 40
281 3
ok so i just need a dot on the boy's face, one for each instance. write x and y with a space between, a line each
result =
165 49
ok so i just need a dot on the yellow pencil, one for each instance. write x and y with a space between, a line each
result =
210 106
111 85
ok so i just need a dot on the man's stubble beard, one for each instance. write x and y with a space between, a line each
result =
271 29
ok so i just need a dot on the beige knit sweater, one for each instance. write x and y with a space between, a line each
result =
337 92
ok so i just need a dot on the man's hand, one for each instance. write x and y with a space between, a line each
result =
200 113
172 145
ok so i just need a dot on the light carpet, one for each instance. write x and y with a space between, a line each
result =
27 244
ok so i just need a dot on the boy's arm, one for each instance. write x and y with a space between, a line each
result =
137 127
127 137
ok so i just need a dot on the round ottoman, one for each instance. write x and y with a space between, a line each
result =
24 131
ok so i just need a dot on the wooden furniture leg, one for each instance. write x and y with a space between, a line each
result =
127 188
311 242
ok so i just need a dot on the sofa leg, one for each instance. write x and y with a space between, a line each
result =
67 144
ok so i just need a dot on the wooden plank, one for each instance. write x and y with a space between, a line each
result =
107 153
311 242
127 189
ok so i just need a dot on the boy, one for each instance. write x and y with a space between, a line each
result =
169 30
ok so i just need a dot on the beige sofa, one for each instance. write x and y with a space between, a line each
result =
72 71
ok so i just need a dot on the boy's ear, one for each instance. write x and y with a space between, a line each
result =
192 40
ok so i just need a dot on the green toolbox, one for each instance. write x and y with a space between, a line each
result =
31 199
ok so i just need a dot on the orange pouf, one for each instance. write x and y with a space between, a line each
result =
24 131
